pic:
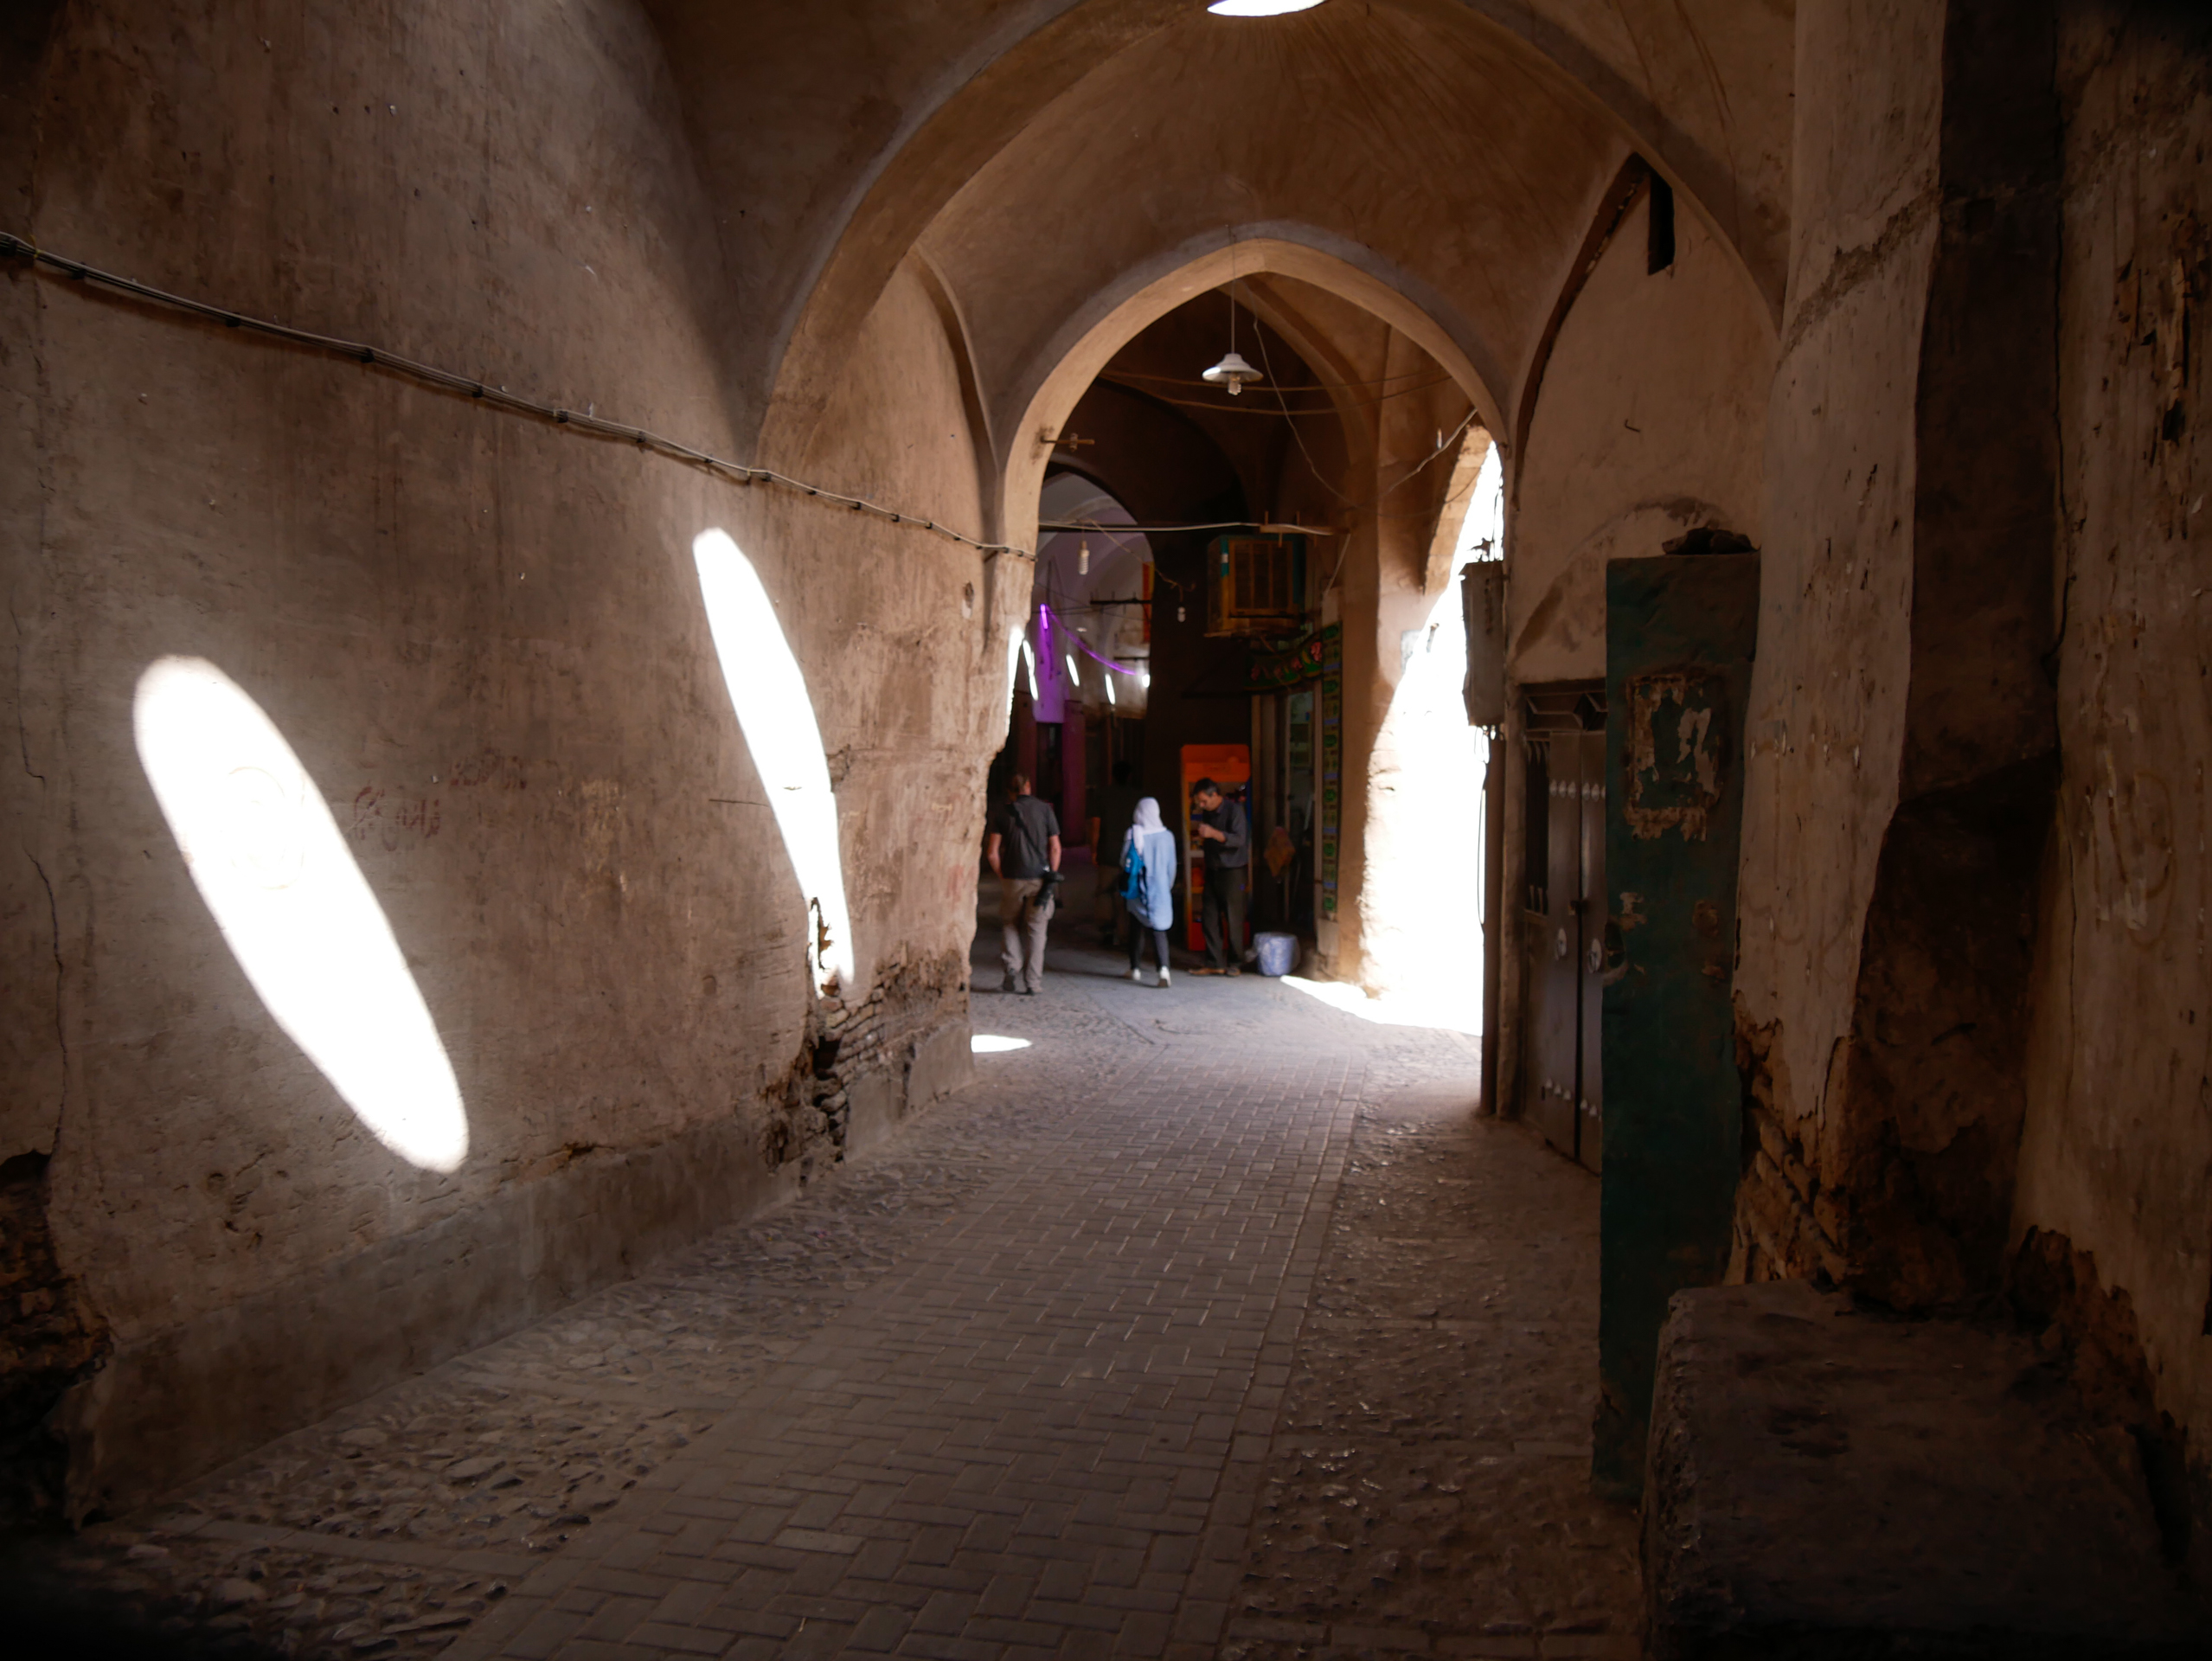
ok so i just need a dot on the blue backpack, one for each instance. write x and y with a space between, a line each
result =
1132 873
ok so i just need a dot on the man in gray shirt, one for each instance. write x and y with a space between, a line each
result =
1218 826
1024 845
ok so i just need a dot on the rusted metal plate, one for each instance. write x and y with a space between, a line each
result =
1481 599
1677 729
1679 637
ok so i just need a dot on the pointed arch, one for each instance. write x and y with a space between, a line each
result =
1048 386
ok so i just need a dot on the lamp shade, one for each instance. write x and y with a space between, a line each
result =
1232 372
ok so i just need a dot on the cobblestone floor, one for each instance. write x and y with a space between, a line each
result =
1211 1324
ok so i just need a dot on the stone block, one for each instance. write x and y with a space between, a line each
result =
939 1062
1826 1482
876 1104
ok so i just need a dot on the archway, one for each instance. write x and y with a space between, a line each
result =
1368 403
1049 386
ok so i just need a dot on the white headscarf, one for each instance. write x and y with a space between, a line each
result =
1148 816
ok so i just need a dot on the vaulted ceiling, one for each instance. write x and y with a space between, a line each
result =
1052 157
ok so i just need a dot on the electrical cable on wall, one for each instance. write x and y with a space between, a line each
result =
446 381
1127 380
1091 528
586 421
1376 502
1112 373
1158 575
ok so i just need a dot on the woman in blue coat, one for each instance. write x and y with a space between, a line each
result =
1148 886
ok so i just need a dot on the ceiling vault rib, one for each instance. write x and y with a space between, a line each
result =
955 133
1633 178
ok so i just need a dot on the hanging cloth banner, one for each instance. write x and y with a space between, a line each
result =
1293 665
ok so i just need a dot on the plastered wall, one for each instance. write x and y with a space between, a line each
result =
1825 730
1383 594
1968 992
483 635
1648 424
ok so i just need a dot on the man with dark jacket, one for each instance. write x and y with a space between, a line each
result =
1024 845
1222 829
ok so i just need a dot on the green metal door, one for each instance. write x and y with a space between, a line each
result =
1680 632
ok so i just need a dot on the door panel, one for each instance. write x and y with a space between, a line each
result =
1562 986
1591 959
1563 835
1550 925
1679 637
1530 937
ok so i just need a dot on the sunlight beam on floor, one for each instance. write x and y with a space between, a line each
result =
1455 1014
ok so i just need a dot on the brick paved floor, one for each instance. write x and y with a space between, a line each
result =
1209 1323
1425 1490
1013 1444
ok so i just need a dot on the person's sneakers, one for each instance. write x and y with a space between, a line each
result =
1231 969
1135 974
1163 978
1208 969
1010 984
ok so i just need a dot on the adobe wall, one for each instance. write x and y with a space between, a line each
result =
483 637
2116 1155
1383 598
1825 731
1968 1026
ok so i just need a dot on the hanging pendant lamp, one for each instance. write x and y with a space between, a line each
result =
1232 371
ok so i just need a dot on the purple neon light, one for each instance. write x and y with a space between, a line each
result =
1052 616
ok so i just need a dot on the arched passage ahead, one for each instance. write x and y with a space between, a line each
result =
1348 447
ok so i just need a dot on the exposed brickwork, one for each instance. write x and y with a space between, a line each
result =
810 1113
2093 1333
48 1339
1779 1231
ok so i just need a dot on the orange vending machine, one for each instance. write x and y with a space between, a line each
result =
1229 766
